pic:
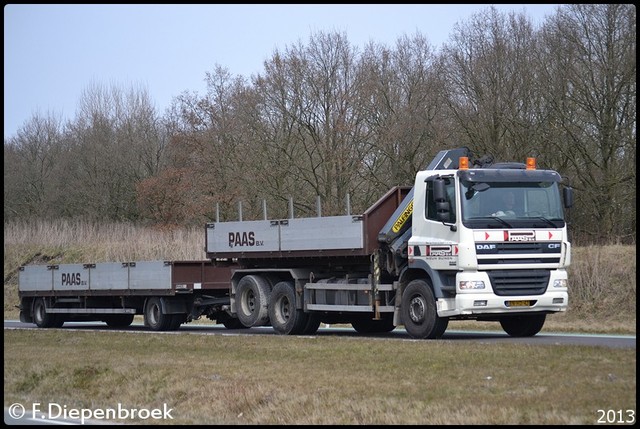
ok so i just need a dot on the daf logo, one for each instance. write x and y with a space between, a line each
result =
485 246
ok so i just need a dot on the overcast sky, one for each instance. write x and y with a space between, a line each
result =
52 53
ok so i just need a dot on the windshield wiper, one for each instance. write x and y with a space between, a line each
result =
547 220
499 219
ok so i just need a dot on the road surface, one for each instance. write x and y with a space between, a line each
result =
603 340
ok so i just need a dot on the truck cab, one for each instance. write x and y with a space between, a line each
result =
484 261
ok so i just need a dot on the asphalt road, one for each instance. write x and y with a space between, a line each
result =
602 340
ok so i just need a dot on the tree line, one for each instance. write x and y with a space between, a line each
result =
327 119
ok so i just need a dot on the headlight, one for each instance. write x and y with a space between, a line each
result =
560 283
471 284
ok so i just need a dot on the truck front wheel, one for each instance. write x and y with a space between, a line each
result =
523 326
419 313
253 301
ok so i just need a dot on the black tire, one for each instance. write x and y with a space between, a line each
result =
284 317
230 322
523 326
119 320
42 319
176 321
252 301
271 279
419 312
154 318
371 326
312 325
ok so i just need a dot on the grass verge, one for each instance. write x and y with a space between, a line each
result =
214 379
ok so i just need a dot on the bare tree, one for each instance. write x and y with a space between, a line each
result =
209 140
31 163
324 119
589 83
116 141
403 104
489 69
314 136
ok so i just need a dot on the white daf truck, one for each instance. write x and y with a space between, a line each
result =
444 249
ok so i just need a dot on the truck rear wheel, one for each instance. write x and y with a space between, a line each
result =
284 316
43 319
230 322
153 316
419 312
253 301
371 326
523 326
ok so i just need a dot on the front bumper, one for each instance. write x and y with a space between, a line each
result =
477 302
490 304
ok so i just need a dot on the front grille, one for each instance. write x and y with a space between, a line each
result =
514 248
492 255
519 282
487 261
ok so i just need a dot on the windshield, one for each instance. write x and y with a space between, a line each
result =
511 204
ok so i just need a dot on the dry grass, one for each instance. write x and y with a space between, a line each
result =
100 242
214 379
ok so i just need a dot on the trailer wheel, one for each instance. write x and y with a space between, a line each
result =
153 316
43 319
253 301
523 326
419 313
119 320
312 325
284 316
176 321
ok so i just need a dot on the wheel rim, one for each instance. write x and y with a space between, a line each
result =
417 309
39 312
154 314
249 302
284 309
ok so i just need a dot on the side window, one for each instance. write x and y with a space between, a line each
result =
430 206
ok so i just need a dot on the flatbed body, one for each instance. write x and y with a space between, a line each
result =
319 237
125 278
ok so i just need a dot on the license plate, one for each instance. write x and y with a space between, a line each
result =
518 303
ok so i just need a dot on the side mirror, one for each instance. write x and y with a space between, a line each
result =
442 205
567 194
439 190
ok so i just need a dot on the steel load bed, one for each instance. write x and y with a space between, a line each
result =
328 236
124 278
